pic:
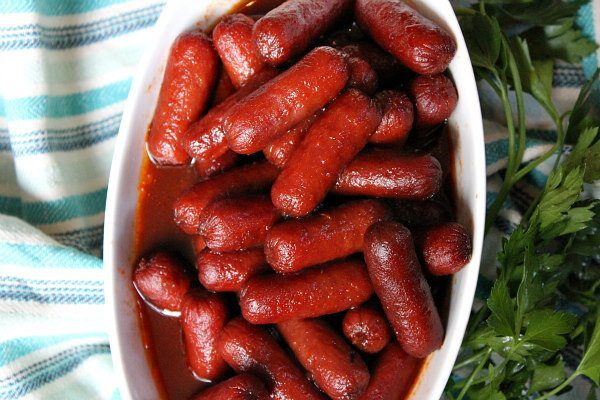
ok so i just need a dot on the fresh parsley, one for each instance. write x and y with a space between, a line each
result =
515 344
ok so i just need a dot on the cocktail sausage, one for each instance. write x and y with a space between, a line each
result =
435 99
366 328
232 38
330 144
326 289
414 40
387 173
335 367
207 168
249 348
394 373
237 223
240 387
286 100
397 118
280 149
223 88
335 233
445 248
362 76
250 178
203 316
287 30
162 280
227 272
400 285
187 86
205 139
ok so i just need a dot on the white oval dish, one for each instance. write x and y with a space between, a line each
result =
129 357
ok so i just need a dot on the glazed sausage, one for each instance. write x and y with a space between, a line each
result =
396 123
416 214
388 70
393 376
250 178
400 285
184 94
249 348
237 223
335 233
445 248
223 88
280 149
435 99
362 76
414 40
287 30
387 173
232 38
325 289
198 244
205 139
397 118
286 100
331 142
207 168
240 387
203 316
366 328
227 272
337 369
162 280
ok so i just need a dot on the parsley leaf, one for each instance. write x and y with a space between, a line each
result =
536 76
590 363
514 345
533 12
546 328
484 40
563 41
581 117
546 377
592 161
500 304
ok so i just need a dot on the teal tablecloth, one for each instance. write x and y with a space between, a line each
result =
65 72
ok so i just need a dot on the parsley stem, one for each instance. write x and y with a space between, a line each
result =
474 374
511 162
494 209
463 363
559 387
515 150
518 89
558 146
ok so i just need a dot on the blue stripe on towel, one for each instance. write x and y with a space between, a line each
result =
32 378
47 256
55 7
36 107
38 36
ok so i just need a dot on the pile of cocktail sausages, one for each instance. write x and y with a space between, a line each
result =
319 224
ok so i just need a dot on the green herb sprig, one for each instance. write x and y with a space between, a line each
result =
514 344
508 63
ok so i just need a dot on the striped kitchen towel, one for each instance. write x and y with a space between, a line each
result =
65 71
